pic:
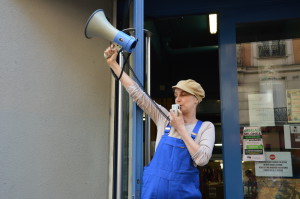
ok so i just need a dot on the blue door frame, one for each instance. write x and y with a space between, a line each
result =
228 17
137 113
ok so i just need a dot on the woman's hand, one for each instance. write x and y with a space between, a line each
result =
111 54
177 121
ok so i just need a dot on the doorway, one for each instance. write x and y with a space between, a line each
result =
183 48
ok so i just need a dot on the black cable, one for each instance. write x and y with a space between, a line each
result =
141 86
122 71
124 64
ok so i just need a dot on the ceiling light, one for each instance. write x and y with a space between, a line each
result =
213 23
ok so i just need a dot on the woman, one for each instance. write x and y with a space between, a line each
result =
182 144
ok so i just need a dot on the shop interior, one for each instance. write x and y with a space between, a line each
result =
182 47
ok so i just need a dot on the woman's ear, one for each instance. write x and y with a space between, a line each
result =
196 101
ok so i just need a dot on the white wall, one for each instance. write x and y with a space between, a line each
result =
54 101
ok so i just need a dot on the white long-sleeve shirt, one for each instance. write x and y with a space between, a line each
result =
205 137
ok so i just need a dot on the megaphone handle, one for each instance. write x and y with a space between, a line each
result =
119 48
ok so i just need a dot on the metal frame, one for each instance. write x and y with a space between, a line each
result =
137 113
232 171
119 139
147 147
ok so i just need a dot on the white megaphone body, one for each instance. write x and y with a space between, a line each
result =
98 26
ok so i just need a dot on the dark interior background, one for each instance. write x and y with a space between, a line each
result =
183 48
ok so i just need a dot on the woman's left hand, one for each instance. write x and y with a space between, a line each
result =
177 121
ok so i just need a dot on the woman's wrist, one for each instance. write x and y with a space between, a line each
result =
114 66
183 131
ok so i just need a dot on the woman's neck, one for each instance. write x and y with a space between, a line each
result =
190 118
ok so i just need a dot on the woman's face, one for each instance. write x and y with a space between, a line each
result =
187 101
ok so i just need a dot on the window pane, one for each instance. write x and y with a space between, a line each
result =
268 69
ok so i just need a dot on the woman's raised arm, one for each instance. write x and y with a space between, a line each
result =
111 53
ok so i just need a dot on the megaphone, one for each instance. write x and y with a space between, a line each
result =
98 26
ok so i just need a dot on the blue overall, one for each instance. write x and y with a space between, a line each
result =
171 173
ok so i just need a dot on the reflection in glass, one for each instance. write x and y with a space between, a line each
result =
269 97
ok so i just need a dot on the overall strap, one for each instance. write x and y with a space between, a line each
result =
167 129
196 129
194 132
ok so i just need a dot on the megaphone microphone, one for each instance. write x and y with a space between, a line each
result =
98 26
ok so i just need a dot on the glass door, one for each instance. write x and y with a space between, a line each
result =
268 70
125 148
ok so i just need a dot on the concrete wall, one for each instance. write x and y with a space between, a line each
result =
54 101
